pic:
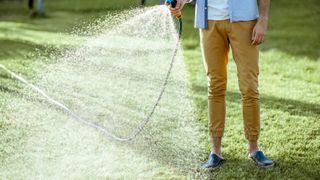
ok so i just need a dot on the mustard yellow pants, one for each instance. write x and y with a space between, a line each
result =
215 45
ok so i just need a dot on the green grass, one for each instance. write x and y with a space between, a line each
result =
289 81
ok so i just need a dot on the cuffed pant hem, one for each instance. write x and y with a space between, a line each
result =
216 134
252 137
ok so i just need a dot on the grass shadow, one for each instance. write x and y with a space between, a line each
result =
293 107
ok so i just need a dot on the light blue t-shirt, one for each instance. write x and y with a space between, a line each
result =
218 9
239 10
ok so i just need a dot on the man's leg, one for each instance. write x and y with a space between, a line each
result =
246 57
215 48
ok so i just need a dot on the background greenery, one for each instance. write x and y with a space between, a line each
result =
289 80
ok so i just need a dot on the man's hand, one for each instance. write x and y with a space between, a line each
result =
259 31
177 10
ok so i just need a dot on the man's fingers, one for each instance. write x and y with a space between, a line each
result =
260 39
255 39
253 34
174 11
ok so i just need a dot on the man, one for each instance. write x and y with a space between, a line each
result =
236 24
33 13
31 8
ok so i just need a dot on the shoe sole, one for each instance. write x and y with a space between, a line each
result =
214 168
261 165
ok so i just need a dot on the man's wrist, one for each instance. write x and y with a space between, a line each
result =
264 18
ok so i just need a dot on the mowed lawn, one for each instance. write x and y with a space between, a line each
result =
289 80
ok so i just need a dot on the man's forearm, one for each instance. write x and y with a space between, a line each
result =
264 6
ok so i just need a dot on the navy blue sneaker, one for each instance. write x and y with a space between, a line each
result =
213 162
261 159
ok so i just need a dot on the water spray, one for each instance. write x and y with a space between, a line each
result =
98 127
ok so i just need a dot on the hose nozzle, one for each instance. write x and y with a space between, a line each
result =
173 4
